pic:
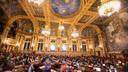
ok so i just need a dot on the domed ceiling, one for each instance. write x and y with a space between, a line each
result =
65 7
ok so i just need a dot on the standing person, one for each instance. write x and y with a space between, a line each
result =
63 67
31 68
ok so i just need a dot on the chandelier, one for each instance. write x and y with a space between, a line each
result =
108 8
61 27
45 32
39 2
74 34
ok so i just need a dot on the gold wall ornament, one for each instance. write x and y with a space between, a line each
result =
95 27
10 41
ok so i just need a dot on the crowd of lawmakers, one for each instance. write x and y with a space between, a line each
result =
25 62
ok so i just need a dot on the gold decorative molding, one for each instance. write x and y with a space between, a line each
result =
95 27
25 5
88 4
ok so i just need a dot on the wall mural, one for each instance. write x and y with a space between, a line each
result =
65 7
25 25
117 33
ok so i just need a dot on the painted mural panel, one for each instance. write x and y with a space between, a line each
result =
117 33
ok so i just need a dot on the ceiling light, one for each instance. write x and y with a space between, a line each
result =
61 27
45 32
74 34
39 2
108 8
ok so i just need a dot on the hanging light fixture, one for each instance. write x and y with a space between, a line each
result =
39 2
108 8
75 33
61 27
45 32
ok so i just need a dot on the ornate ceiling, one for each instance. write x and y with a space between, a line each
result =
78 13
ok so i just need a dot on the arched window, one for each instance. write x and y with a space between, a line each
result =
64 46
90 34
83 46
27 44
53 45
74 46
40 45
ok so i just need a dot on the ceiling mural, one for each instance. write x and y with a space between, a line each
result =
65 7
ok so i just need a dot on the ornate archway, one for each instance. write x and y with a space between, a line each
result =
96 28
92 43
9 24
